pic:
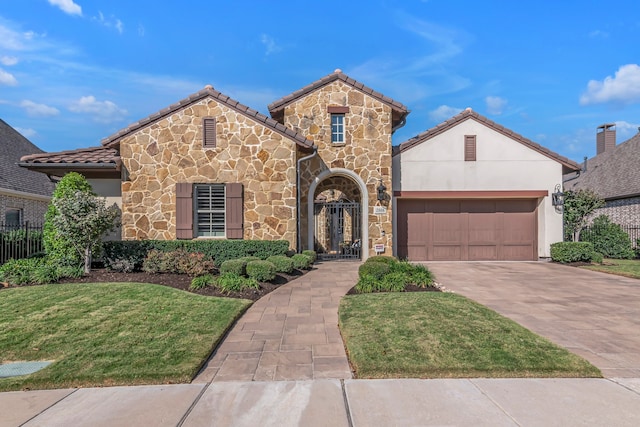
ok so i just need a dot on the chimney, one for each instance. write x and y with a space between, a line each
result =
605 138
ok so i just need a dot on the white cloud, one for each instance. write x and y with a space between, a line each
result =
8 60
495 104
270 44
623 88
599 34
111 22
7 78
443 112
26 132
67 6
101 111
38 110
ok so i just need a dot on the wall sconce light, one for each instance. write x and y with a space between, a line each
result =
381 191
557 198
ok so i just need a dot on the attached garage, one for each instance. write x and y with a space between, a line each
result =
467 230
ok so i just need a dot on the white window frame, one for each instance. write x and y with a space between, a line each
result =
337 129
209 211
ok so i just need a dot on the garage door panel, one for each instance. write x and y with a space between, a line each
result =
467 229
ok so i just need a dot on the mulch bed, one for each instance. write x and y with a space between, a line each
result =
182 282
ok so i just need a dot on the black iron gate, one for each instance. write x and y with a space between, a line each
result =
338 230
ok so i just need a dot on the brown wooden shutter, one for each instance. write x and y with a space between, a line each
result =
234 211
469 148
184 210
209 132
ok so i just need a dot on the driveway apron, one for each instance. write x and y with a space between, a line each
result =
290 334
592 314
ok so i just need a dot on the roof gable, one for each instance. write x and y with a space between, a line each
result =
13 145
209 91
568 165
276 108
613 174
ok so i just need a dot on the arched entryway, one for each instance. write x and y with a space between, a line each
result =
337 212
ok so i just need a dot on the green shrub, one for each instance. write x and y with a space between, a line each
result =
202 282
60 248
72 272
218 250
235 266
421 276
565 252
312 254
117 254
35 271
382 259
377 270
230 282
192 263
282 263
367 284
250 258
395 281
637 248
597 257
608 238
159 262
262 271
302 261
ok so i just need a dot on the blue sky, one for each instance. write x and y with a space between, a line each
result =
75 71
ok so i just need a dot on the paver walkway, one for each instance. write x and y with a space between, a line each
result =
595 315
290 334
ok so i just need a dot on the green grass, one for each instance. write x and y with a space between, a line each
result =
110 333
444 335
621 267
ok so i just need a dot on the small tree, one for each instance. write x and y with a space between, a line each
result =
608 238
83 218
578 205
61 249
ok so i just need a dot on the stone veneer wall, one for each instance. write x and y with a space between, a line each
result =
367 150
170 151
32 210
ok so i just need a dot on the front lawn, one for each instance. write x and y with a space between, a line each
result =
105 334
621 267
444 335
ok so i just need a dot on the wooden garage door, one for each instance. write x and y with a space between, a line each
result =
461 230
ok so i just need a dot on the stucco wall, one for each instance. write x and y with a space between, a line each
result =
366 152
501 164
111 190
171 150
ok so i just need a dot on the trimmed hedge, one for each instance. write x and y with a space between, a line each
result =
565 252
235 266
376 270
135 251
383 259
310 253
283 263
262 271
302 261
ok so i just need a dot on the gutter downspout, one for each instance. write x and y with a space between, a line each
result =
299 196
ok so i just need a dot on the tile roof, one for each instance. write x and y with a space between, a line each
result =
12 177
87 156
278 105
568 165
209 91
614 174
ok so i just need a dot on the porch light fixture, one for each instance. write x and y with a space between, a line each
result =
381 191
557 198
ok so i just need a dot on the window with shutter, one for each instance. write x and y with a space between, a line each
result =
210 210
209 132
469 148
184 210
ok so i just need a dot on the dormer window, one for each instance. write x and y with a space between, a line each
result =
337 128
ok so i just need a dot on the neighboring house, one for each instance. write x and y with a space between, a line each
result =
317 173
469 189
24 195
614 174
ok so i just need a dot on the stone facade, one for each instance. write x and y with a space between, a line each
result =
170 151
366 151
33 210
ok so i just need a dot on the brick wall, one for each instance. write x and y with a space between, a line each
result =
32 210
622 211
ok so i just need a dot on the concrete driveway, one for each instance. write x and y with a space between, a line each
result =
594 315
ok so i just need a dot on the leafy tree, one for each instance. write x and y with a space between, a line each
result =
61 249
578 205
83 218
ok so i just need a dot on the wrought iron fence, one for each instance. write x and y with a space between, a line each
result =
633 231
20 240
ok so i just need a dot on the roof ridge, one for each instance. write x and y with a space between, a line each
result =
208 90
469 113
329 78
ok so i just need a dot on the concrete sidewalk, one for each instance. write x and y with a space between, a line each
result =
461 402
